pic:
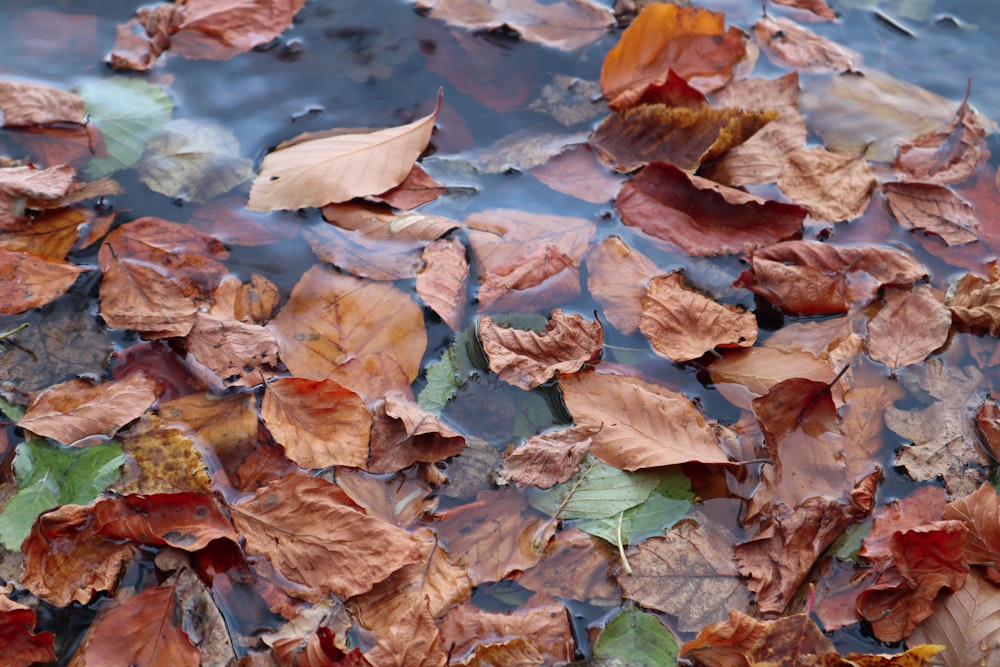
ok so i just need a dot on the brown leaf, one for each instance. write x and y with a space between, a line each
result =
641 425
332 320
74 410
565 24
417 189
314 172
683 137
988 421
975 302
966 623
22 647
758 369
980 513
692 42
402 499
52 234
28 187
313 537
833 186
811 278
817 7
548 458
442 281
403 433
576 172
682 324
495 535
527 359
616 277
187 521
788 44
576 566
23 104
933 209
688 573
743 640
923 506
761 158
909 326
163 458
319 423
225 353
545 277
27 281
414 639
503 238
701 217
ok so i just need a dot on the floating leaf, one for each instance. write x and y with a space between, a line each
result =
442 281
597 491
23 103
22 647
442 383
637 639
27 281
833 186
934 209
546 459
665 506
908 328
965 624
790 45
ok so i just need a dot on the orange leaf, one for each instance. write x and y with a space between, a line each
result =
616 277
23 103
225 352
548 458
641 425
975 302
220 30
27 281
980 513
52 234
414 640
576 172
833 186
743 640
442 281
757 369
692 42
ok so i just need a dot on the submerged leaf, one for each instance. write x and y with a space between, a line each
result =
637 639
597 491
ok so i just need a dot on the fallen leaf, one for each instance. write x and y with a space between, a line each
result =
313 172
617 276
417 189
414 639
142 631
402 499
544 277
688 573
817 7
308 532
22 645
528 359
813 278
758 369
833 186
636 638
923 506
332 320
692 42
164 457
319 423
226 219
743 640
788 44
52 234
443 280
641 425
760 158
909 326
24 104
702 217
403 433
596 491
634 137
934 209
569 100
75 410
220 30
576 566
502 238
225 353
578 173
28 187
979 512
966 623
975 302
193 161
27 281
682 324
565 24
186 521
546 459
524 150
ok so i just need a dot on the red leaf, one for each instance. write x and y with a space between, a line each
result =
21 646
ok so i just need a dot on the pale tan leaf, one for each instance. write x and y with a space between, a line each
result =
758 369
617 277
545 277
833 186
334 169
642 425
548 458
228 353
501 238
683 324
934 209
404 433
527 359
789 44
413 640
967 623
23 103
910 326
442 282
976 302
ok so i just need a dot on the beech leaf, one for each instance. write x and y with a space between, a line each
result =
934 209
443 280
315 172
666 505
789 44
21 645
546 459
966 624
975 302
833 186
27 281
596 491
637 639
981 516
23 104
909 327
617 277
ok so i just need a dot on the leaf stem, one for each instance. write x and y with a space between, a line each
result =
621 547
19 328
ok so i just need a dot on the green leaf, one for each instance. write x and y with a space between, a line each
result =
129 113
596 491
637 639
49 475
442 383
193 161
11 411
847 546
667 505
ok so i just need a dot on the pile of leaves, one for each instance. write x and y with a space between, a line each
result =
283 457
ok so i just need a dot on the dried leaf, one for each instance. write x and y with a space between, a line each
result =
616 277
758 369
934 209
225 353
743 640
414 639
817 7
701 217
74 410
981 516
27 281
682 324
641 425
975 302
310 534
966 623
442 282
314 172
319 423
788 44
527 359
577 172
692 42
988 421
548 458
23 104
576 566
417 189
503 238
403 433
22 646
833 186
909 327
164 456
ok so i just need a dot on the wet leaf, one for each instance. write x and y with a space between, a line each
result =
688 573
313 172
577 172
403 433
692 42
575 566
48 475
52 234
74 410
442 383
817 7
788 44
527 359
23 104
638 639
219 30
334 323
933 209
701 217
909 327
641 425
414 639
442 282
682 324
979 512
966 623
193 161
129 113
617 276
308 532
22 646
546 459
319 423
27 281
975 302
596 491
758 369
743 640
666 505
833 186
225 353
417 189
